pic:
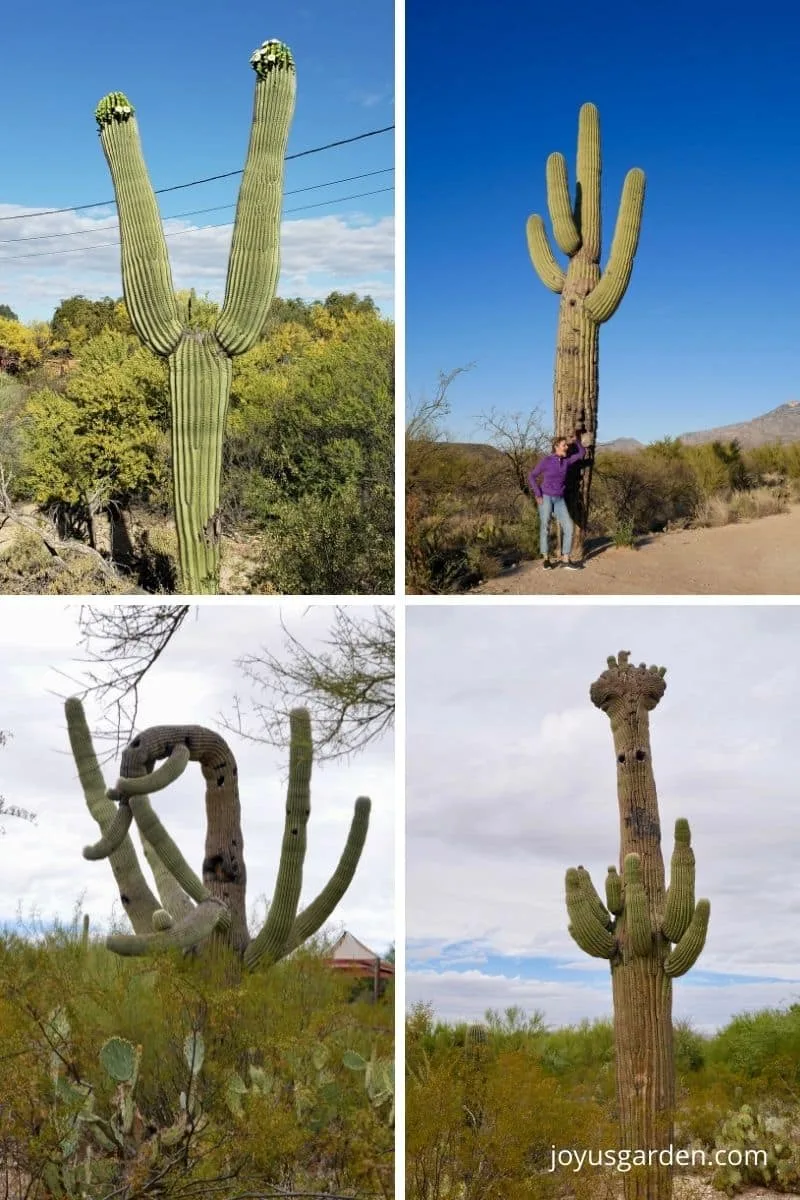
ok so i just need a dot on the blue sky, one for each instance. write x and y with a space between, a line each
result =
186 71
706 105
499 802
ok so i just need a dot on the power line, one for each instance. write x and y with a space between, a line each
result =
177 187
183 232
43 237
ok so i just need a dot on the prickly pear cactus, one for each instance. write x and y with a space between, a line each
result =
768 1145
649 934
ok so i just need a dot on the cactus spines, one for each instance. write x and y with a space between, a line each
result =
645 922
588 297
680 894
685 954
586 927
614 891
635 905
197 911
200 369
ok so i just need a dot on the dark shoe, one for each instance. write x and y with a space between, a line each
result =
573 566
548 564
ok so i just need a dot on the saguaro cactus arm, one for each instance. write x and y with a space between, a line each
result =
137 897
586 926
192 931
614 891
254 264
146 275
680 896
635 906
315 914
270 942
606 296
685 954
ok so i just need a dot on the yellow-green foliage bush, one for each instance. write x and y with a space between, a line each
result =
299 1120
27 567
108 427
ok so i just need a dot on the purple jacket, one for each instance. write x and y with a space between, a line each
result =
553 472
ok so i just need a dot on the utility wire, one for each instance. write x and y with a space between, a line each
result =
43 237
177 187
183 232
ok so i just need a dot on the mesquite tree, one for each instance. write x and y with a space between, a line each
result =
200 361
648 934
191 912
588 297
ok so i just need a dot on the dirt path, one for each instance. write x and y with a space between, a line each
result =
755 558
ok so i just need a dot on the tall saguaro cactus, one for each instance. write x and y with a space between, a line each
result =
200 361
588 297
648 934
193 911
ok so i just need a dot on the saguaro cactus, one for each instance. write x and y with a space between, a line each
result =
200 362
636 928
587 297
194 911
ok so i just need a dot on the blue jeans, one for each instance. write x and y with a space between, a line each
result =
558 506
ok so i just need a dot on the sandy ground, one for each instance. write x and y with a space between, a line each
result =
754 558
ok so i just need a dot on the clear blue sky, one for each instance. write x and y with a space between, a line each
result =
185 68
707 104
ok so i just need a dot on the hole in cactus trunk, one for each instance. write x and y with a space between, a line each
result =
620 758
640 755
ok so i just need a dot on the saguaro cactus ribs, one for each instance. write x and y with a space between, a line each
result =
587 297
200 362
636 928
192 911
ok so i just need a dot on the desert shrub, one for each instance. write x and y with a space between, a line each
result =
762 1048
299 1119
640 493
28 568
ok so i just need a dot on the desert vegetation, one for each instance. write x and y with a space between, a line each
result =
86 481
469 511
483 1125
159 1077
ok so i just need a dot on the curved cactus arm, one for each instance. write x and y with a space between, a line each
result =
315 914
683 956
155 781
680 896
254 264
146 274
565 231
587 204
173 897
614 891
544 261
590 934
113 837
151 827
138 899
184 935
635 903
590 892
270 942
606 297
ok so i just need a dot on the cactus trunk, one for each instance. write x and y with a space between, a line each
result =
200 383
588 296
636 927
577 383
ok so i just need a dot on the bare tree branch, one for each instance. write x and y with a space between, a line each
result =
348 687
13 810
520 438
123 643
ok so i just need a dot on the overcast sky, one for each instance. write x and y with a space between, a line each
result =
511 778
194 682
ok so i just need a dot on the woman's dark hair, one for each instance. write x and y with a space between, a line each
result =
557 442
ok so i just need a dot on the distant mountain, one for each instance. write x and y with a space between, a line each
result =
780 425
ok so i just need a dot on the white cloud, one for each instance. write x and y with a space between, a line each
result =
194 682
511 778
318 255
